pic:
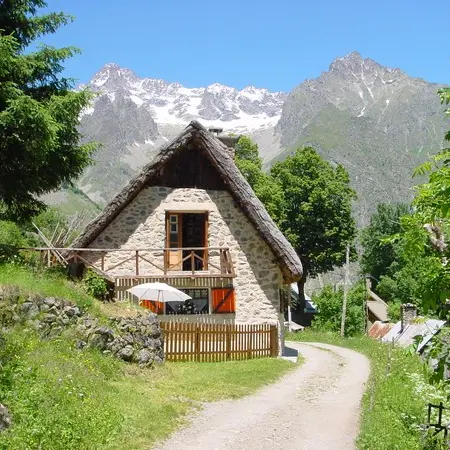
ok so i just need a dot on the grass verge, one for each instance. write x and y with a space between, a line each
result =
391 409
61 398
45 282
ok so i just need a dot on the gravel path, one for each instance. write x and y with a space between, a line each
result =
315 407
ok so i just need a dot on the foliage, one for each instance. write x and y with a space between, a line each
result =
249 163
95 284
11 234
379 253
410 279
11 239
426 228
318 218
329 305
39 110
395 402
439 356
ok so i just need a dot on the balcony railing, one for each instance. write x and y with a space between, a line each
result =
163 262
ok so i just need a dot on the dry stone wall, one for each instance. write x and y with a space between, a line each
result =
142 225
132 339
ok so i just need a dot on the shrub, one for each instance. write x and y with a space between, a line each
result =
95 285
329 305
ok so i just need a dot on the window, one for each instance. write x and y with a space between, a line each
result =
223 300
198 305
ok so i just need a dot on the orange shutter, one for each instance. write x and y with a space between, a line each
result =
223 300
153 306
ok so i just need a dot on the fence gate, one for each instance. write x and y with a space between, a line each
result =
215 342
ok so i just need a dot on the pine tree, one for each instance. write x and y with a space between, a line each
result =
39 110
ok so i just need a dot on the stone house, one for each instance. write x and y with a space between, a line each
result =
191 220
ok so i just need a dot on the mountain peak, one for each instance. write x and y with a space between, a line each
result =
353 65
111 72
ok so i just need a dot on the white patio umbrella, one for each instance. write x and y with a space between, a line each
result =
158 292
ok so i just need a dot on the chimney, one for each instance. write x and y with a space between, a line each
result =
228 141
408 313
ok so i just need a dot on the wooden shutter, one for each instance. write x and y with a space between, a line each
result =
153 306
223 300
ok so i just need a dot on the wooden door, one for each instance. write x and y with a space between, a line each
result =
174 240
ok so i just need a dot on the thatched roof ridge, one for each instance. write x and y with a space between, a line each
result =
240 190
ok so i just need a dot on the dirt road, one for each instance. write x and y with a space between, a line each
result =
315 407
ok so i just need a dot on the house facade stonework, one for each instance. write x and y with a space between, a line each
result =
142 225
191 220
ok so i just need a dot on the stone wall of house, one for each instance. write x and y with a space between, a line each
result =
142 225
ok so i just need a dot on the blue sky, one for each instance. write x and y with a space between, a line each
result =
275 44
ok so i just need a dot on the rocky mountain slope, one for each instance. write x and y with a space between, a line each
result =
378 122
133 116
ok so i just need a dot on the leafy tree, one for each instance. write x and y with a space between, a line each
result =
39 110
378 252
11 235
329 306
317 211
431 220
249 162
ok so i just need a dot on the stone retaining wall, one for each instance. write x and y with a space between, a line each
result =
132 339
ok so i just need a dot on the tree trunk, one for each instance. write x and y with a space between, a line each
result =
301 304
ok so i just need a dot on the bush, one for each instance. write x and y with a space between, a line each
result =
11 239
95 285
329 306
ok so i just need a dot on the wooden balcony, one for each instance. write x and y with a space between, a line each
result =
164 263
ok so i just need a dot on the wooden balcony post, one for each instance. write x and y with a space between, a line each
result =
137 262
192 262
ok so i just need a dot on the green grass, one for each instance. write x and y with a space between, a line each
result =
62 398
390 408
167 394
46 283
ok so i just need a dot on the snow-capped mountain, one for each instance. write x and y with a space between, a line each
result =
377 122
133 116
245 110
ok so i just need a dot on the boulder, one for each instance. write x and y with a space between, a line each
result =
5 418
144 357
126 353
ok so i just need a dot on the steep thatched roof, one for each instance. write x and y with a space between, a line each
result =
220 157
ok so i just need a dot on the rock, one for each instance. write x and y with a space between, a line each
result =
129 339
144 357
99 341
10 293
30 309
126 353
48 318
5 418
50 301
53 310
81 345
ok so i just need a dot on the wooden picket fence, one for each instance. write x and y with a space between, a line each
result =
206 342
